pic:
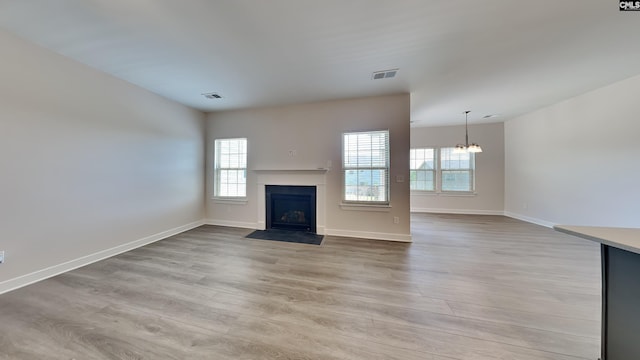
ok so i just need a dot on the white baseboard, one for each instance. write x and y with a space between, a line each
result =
230 223
529 219
457 211
54 270
369 235
510 214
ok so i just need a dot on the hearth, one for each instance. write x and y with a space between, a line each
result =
291 207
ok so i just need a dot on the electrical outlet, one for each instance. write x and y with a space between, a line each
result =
1 256
396 220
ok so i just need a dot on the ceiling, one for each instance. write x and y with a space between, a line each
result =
503 57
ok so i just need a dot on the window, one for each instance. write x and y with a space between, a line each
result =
422 173
456 170
365 162
441 170
230 171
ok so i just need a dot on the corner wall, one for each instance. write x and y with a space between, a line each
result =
315 131
489 197
576 162
91 165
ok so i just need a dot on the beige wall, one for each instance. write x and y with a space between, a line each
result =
315 132
91 165
489 197
576 162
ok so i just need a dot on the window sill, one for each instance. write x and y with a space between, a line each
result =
234 201
423 193
365 207
444 193
458 194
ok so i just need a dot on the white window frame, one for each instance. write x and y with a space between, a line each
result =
440 172
348 165
218 169
471 170
428 172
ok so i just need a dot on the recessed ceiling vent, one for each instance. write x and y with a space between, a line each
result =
384 74
212 96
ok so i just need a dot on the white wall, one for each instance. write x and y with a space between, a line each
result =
89 163
489 197
576 162
315 132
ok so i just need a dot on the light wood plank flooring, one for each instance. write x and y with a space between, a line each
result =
469 287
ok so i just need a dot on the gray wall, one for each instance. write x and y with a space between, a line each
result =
91 165
489 197
576 162
315 132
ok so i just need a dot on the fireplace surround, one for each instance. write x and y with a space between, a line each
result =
292 177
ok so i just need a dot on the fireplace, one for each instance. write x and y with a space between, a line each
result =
291 207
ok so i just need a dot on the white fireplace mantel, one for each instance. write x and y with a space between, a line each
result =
293 177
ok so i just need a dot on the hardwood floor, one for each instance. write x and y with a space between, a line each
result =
469 287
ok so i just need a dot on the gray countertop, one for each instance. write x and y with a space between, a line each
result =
621 238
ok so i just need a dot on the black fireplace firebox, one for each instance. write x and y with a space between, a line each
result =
291 207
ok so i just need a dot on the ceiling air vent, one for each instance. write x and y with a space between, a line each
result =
212 96
384 74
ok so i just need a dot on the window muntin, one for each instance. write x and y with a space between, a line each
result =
230 168
422 169
365 163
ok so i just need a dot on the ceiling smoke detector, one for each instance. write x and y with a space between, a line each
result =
212 96
384 74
